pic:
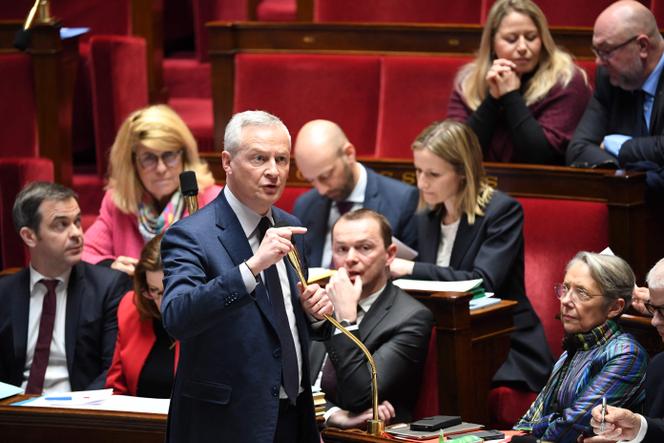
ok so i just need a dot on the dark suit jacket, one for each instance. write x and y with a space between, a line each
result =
655 400
229 372
612 110
90 324
397 201
492 249
396 331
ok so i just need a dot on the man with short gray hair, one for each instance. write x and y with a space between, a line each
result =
58 323
623 424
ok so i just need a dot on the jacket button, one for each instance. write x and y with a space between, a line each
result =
275 391
276 353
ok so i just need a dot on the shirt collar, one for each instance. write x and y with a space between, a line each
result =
357 194
36 276
650 85
366 303
248 219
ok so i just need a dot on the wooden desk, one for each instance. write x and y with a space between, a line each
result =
37 425
470 349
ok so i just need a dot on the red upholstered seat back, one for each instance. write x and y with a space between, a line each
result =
441 11
299 88
554 231
427 399
277 10
18 112
115 62
414 93
590 67
209 10
16 172
101 16
291 193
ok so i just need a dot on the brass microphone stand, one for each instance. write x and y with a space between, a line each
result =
375 426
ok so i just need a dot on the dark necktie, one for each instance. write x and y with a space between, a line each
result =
344 206
288 355
43 347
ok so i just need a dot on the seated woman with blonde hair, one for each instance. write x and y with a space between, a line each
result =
522 95
152 147
145 356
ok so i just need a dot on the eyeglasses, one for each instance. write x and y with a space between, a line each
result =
578 294
605 54
153 293
148 160
652 309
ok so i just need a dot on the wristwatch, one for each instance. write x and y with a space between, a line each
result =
346 323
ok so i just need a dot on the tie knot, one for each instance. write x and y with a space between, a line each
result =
344 206
263 226
50 284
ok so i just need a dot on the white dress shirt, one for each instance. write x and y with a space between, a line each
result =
56 378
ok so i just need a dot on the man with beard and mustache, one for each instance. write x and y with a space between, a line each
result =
58 321
624 121
326 159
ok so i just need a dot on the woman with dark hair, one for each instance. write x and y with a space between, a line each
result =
145 356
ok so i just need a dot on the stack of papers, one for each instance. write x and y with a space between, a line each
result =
472 286
7 390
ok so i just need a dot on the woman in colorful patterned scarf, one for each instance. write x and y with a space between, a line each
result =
151 149
600 360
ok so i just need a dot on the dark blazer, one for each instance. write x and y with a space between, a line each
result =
90 324
396 331
654 408
396 200
613 110
136 338
492 249
229 372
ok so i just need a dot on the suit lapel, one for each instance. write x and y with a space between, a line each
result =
429 237
316 357
233 239
656 117
20 316
464 237
75 297
379 309
318 229
372 199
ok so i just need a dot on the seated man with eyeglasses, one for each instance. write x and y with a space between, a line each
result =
622 424
599 359
623 124
152 147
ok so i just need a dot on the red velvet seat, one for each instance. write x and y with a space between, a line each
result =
299 88
572 12
590 67
119 86
414 93
16 172
277 10
291 193
427 403
18 112
438 11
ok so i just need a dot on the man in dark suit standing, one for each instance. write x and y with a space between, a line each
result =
393 326
327 160
623 424
58 319
624 121
233 303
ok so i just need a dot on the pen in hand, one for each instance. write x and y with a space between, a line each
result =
601 424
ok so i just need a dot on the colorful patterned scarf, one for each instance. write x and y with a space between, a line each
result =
151 223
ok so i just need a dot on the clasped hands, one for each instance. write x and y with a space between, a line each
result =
502 78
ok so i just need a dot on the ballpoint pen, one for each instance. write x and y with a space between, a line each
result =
601 424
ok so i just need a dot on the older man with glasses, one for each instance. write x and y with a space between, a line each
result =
622 424
624 120
600 361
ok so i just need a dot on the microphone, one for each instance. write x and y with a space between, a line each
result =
375 426
189 188
40 10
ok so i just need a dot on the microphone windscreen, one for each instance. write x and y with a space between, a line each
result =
22 39
188 183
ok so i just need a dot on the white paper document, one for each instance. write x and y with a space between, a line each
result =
7 390
437 286
403 250
102 399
